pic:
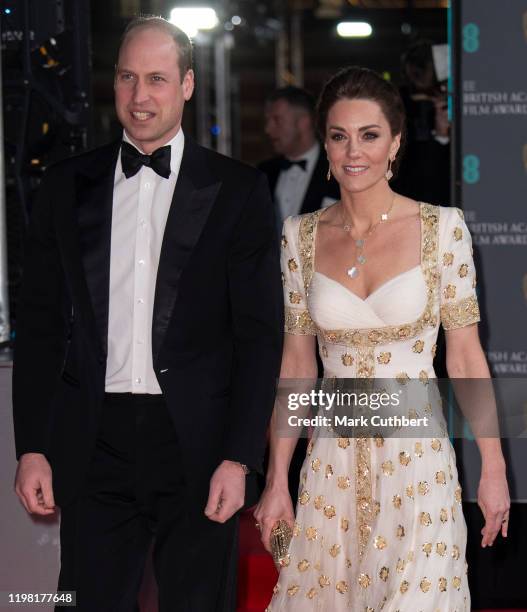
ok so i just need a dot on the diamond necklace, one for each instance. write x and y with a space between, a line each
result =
360 243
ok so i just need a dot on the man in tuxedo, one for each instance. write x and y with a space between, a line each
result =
298 174
148 344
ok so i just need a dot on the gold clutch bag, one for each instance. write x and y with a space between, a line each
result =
281 536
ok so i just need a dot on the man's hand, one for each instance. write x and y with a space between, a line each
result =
33 484
226 492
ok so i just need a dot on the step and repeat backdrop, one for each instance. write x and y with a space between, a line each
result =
492 163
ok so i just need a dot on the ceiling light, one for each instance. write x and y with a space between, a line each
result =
193 19
354 29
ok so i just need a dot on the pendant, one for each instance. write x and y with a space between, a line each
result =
359 243
353 272
361 259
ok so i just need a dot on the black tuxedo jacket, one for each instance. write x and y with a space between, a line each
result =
217 320
318 189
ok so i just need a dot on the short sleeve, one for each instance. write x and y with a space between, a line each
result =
297 318
459 304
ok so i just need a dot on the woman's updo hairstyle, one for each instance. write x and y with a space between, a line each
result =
362 83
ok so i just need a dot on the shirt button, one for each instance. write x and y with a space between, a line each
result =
147 185
138 381
141 262
140 301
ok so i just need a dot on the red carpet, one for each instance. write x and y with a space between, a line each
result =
257 574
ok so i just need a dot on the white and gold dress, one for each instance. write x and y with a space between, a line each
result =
379 524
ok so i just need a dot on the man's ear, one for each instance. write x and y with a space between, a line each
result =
188 85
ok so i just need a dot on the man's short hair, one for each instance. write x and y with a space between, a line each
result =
295 96
181 39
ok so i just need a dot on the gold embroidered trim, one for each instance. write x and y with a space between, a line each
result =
363 492
306 244
299 322
462 313
393 333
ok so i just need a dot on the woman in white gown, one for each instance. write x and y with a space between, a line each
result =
378 524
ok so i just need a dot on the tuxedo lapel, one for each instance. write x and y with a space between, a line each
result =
94 198
195 192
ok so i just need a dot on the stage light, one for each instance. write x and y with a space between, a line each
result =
193 19
354 29
236 20
7 11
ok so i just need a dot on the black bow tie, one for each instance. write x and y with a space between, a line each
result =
132 160
285 163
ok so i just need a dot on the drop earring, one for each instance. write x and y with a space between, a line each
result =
328 175
389 174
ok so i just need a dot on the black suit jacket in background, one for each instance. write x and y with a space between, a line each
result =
217 319
318 189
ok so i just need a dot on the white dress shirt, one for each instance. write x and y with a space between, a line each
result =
292 183
140 210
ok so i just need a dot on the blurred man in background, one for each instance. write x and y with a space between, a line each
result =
298 174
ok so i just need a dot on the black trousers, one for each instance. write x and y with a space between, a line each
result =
135 493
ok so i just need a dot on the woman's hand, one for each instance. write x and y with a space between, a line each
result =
275 504
495 502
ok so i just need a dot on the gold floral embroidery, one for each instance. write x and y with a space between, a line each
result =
329 470
344 524
425 585
380 542
436 445
343 442
456 582
319 502
404 586
458 234
402 378
303 565
292 265
334 551
324 351
311 533
295 297
418 346
440 477
299 322
384 357
455 552
315 464
324 581
401 564
404 458
410 491
311 593
427 548
304 497
423 377
424 518
443 515
448 259
364 581
366 362
399 532
434 350
397 501
384 572
342 586
449 292
423 487
306 243
463 312
293 590
442 584
457 494
387 467
343 482
347 359
329 512
284 242
418 449
463 270
441 549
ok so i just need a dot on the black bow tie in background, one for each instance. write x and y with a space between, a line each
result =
285 163
132 160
